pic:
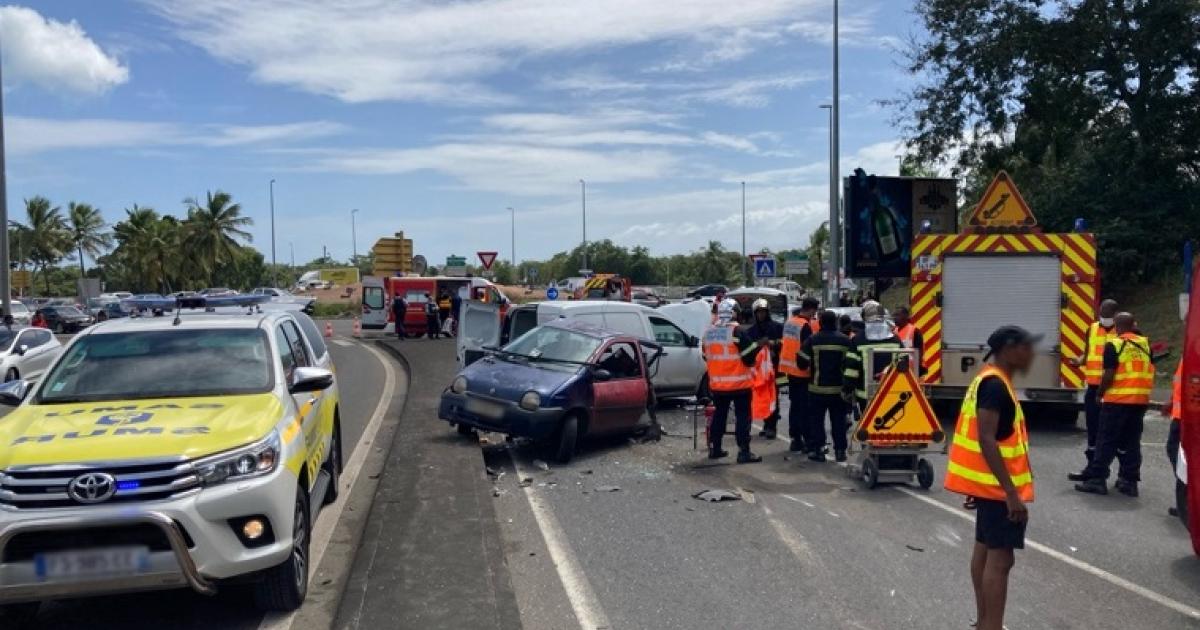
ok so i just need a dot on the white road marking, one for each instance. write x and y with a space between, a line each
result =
579 590
332 513
342 342
1095 571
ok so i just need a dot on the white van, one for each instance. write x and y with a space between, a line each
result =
681 368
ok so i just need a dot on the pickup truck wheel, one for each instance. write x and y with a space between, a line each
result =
567 438
284 586
333 465
19 616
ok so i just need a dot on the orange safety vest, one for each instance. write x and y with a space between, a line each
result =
762 399
1134 378
726 372
1093 366
791 347
907 334
968 472
1177 394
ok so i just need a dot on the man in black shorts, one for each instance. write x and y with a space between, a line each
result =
989 464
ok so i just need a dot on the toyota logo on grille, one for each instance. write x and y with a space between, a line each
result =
92 487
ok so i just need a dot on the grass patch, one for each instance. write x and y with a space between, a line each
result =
1156 307
334 310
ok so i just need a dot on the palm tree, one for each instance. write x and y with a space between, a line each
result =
87 232
212 230
49 238
714 263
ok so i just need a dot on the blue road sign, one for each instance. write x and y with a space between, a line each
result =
764 268
552 293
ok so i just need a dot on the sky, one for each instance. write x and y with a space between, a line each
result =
435 117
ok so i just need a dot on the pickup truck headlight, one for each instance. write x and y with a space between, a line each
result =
531 401
459 385
257 459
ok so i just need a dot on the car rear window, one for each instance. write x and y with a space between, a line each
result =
312 333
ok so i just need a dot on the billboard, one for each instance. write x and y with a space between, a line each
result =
883 213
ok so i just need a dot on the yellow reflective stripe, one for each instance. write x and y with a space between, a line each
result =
1007 452
749 351
987 478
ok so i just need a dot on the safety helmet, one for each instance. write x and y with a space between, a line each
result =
727 310
760 304
872 311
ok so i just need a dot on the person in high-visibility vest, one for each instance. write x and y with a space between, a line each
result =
1174 411
989 465
729 354
796 331
1098 334
910 336
769 334
1124 397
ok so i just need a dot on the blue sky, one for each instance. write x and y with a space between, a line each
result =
433 117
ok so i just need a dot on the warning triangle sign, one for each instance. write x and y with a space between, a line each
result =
486 259
899 413
1002 206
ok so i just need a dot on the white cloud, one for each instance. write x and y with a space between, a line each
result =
26 135
55 55
427 50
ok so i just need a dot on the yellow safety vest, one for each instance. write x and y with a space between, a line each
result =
1093 366
1134 378
968 472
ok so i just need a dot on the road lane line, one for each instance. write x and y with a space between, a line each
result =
342 342
1093 570
579 590
352 467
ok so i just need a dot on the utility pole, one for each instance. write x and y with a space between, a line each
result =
835 223
353 238
583 202
5 272
513 252
292 247
274 268
745 261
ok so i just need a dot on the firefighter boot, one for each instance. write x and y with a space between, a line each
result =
1092 486
715 452
1127 488
746 457
769 427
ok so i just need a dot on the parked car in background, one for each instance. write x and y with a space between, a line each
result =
647 297
108 310
555 384
708 290
26 353
65 319
217 292
183 294
20 313
279 296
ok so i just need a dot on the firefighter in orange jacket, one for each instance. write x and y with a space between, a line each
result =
730 354
1092 362
796 331
989 464
1124 397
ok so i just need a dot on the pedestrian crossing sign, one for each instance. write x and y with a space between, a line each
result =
764 267
1002 206
899 413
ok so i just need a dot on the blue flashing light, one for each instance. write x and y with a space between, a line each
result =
128 485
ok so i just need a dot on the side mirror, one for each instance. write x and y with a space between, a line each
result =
13 392
692 342
310 379
22 349
601 375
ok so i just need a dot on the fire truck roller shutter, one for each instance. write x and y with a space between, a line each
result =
982 293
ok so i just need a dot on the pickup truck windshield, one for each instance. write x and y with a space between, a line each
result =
160 364
554 344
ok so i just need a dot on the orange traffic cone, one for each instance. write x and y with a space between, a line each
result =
328 330
357 327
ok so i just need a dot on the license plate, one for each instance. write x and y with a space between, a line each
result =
87 563
485 408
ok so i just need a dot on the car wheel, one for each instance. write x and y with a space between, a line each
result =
567 438
11 375
464 429
284 586
19 616
333 465
60 328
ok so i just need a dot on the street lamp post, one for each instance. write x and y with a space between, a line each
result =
831 290
353 238
745 275
274 268
513 252
5 272
835 223
583 203
292 247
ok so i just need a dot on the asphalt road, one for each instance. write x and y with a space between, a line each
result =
361 382
815 549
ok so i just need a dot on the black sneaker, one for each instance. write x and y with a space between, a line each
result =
1079 476
1173 512
716 453
1127 488
1092 486
746 457
840 456
817 456
797 447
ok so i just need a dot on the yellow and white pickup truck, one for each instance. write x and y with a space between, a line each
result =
169 452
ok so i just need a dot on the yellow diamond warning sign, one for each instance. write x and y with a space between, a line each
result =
1002 206
899 413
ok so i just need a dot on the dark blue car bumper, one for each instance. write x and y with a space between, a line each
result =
489 414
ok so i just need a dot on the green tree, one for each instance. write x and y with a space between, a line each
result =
1091 105
213 230
47 233
715 264
87 233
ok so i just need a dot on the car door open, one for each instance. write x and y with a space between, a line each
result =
621 389
479 329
